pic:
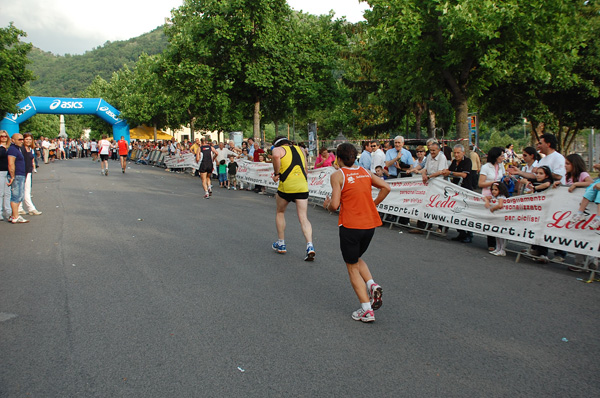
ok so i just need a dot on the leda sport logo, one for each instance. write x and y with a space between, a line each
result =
66 104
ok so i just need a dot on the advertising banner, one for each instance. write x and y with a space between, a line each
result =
540 219
182 161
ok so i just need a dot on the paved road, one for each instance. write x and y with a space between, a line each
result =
192 302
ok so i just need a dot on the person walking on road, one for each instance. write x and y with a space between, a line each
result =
289 168
104 151
358 218
123 151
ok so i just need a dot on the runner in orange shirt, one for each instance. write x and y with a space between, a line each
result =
351 188
123 150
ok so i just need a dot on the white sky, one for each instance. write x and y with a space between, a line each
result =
76 26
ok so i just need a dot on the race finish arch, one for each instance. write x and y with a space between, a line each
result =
66 106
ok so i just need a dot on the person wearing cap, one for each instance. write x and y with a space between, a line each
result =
289 170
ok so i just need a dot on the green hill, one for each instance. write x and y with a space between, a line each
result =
69 75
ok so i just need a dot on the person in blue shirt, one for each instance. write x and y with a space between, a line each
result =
398 157
365 156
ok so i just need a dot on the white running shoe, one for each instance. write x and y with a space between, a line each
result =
375 294
577 217
363 315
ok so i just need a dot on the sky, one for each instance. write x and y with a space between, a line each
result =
77 26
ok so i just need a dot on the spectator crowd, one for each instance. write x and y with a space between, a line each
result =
504 173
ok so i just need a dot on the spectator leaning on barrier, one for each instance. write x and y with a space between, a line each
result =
435 164
365 155
491 172
324 158
420 161
460 173
398 158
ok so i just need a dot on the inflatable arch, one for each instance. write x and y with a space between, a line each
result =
66 106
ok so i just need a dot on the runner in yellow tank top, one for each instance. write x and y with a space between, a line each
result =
289 168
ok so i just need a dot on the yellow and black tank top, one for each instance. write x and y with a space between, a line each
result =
293 171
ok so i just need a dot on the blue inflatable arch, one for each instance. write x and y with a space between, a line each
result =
66 106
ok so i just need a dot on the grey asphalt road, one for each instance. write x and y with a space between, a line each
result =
134 286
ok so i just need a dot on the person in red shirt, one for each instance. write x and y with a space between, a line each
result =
123 150
358 218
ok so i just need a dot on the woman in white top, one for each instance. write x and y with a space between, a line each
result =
491 172
531 158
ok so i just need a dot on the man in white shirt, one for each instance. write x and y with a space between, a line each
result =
435 162
46 148
547 146
377 156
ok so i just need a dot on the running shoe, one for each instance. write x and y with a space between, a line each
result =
499 253
19 220
595 223
310 253
35 212
279 248
363 315
578 217
375 293
206 196
210 191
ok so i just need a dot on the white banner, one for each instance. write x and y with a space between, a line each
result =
181 161
540 219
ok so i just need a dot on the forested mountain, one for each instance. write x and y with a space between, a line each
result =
69 75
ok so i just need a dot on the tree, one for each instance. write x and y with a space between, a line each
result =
463 47
242 41
567 98
13 73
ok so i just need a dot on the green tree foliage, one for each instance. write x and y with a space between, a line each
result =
566 98
38 125
69 75
13 72
463 47
140 93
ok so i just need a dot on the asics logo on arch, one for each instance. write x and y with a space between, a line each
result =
66 104
108 112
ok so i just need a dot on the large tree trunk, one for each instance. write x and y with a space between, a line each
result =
256 118
154 132
419 108
192 120
431 122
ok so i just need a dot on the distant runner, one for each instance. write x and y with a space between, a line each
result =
205 157
104 150
123 151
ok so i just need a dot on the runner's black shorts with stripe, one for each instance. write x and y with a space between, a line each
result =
292 197
354 243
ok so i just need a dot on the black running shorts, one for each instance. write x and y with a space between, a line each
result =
292 197
104 158
205 168
354 243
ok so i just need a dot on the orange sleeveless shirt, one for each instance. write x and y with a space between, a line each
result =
357 209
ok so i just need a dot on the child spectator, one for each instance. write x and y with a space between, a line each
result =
381 172
543 179
499 192
231 172
223 174
592 194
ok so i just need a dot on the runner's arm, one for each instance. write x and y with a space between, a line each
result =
384 188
